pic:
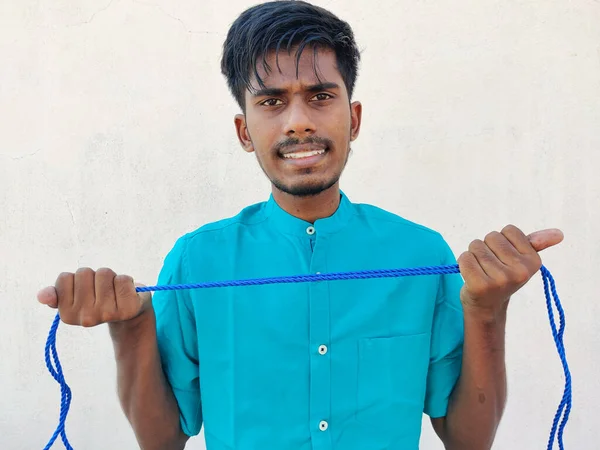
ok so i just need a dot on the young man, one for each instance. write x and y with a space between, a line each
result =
347 365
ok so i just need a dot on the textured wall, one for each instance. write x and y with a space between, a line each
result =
116 137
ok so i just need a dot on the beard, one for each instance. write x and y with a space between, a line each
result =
309 189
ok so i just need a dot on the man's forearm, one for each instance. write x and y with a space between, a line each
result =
146 397
493 270
477 403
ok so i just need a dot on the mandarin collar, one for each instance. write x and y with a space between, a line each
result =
289 224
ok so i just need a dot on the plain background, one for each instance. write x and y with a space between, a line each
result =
116 137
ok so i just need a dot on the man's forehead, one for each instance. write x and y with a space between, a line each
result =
283 68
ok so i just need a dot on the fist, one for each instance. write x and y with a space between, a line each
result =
497 267
89 298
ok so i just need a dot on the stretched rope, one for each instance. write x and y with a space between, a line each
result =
552 299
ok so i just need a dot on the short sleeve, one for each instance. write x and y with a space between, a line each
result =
177 338
446 342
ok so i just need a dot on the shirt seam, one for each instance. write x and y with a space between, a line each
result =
400 221
185 263
218 228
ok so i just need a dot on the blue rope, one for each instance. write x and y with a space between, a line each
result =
65 390
564 408
565 403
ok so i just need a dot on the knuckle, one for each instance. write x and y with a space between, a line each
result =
124 280
524 270
88 320
64 282
83 270
493 235
468 262
105 272
521 274
107 316
64 276
463 257
476 245
123 285
478 290
510 228
67 318
467 259
104 282
501 280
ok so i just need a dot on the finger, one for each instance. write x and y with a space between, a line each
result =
541 240
502 247
85 292
488 261
48 297
471 271
64 290
128 301
518 239
106 301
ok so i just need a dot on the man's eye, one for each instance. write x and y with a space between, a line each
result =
322 97
271 102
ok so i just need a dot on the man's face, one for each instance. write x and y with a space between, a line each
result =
300 128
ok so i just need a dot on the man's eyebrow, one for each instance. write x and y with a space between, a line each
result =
276 92
322 87
269 92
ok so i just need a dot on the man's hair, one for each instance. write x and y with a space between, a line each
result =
284 24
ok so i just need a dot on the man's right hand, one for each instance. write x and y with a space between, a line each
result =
89 298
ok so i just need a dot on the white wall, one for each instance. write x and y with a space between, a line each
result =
116 136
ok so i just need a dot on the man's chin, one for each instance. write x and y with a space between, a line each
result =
305 190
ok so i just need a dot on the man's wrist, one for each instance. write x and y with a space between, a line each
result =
484 315
138 324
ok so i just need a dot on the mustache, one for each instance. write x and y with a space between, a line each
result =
280 146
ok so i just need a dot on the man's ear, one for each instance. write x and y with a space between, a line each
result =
356 116
242 133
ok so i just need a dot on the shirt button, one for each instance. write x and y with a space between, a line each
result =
310 230
323 425
322 349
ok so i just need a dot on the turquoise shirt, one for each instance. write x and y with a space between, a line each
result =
347 365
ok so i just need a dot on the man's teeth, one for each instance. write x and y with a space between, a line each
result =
299 155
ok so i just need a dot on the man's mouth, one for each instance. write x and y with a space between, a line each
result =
303 151
304 154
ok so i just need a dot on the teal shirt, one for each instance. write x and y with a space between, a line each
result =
347 365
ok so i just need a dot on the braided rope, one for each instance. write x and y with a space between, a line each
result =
552 299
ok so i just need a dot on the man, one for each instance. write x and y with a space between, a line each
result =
347 365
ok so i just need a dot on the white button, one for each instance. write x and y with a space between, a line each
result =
310 230
322 349
323 425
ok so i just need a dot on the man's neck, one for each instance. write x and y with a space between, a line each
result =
309 209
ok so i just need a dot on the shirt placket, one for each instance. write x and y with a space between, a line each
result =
320 367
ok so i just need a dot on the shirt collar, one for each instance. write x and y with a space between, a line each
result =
288 224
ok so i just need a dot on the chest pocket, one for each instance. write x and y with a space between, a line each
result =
392 379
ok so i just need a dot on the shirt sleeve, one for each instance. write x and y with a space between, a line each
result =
446 341
177 338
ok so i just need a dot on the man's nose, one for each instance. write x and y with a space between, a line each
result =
299 122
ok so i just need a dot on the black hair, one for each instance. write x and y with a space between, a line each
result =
284 24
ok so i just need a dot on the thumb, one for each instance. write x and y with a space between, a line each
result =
48 297
541 240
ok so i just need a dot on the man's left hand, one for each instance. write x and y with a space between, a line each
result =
497 267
